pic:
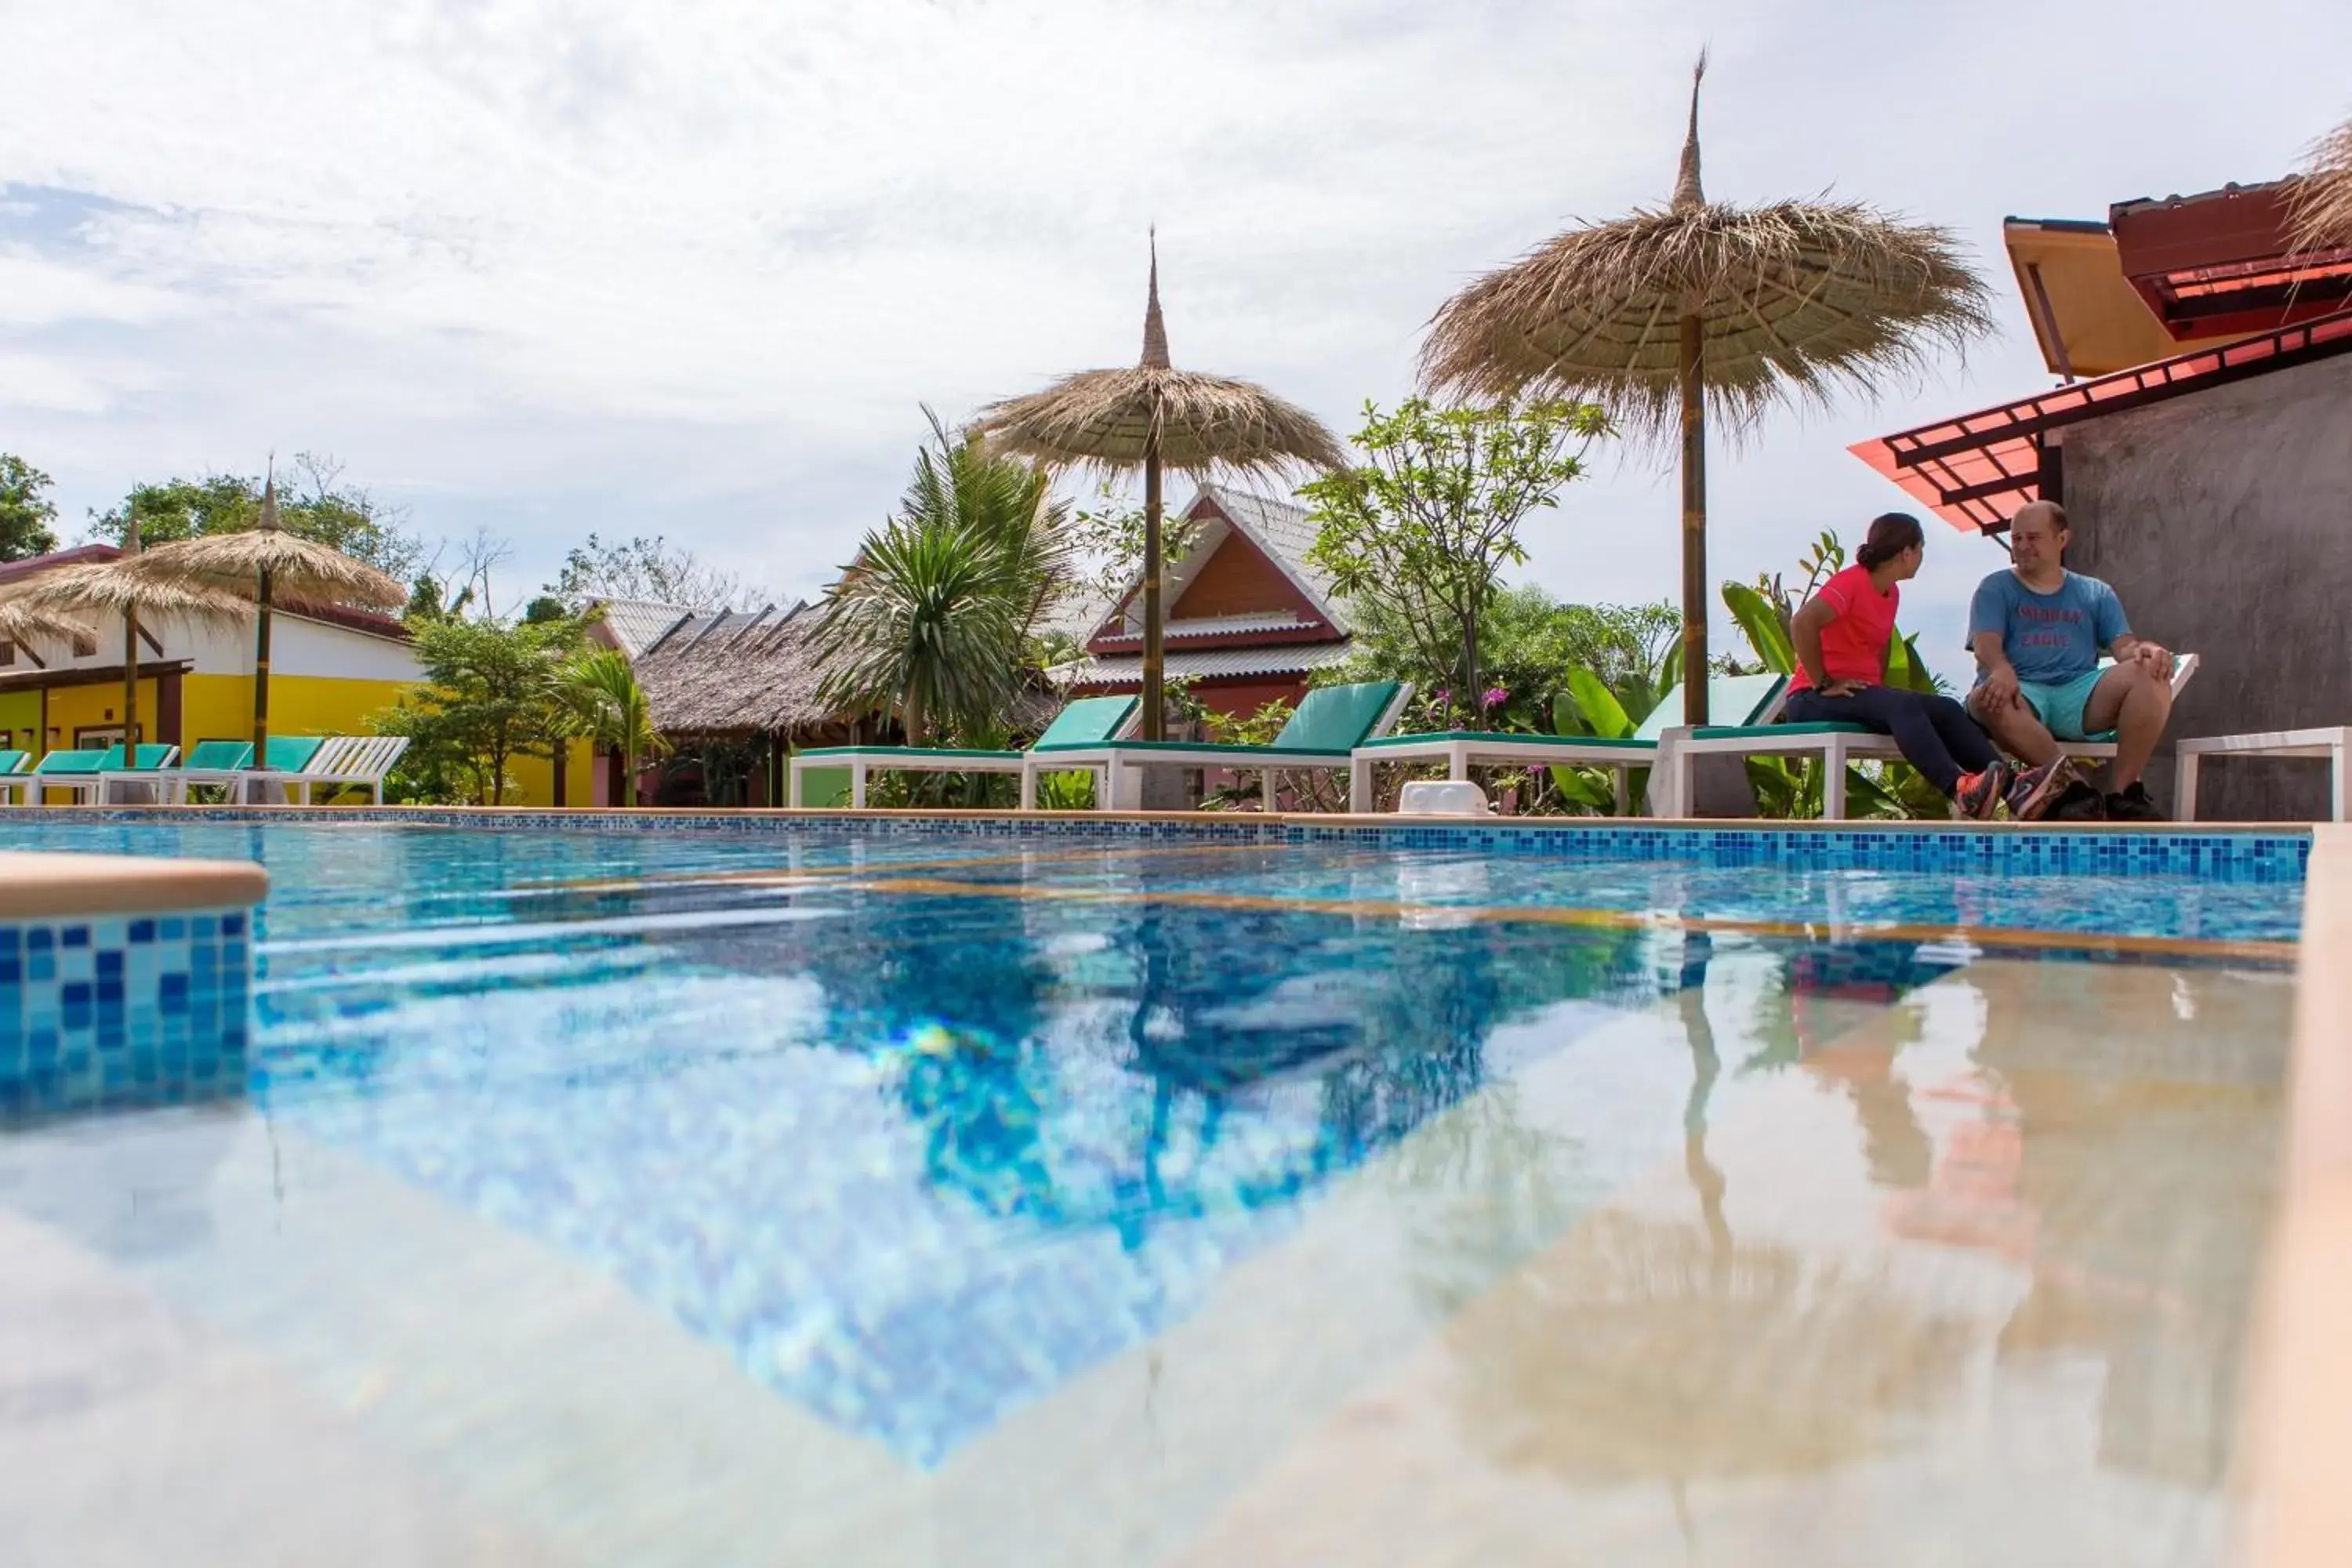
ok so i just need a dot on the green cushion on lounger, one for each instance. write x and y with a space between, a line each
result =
1819 726
148 759
218 756
14 762
57 764
1333 720
292 754
1741 698
1088 721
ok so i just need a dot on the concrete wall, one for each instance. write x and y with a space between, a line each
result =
2223 518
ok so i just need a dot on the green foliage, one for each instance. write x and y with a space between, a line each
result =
315 503
642 568
1419 535
26 510
598 690
1108 537
492 692
935 615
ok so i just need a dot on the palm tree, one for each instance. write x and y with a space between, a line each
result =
933 614
1664 315
599 690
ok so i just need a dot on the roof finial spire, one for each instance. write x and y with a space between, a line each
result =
269 498
1155 330
1687 193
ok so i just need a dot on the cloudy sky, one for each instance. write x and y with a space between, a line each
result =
690 267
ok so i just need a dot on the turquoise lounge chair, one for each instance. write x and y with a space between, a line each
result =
1754 697
14 780
80 770
1837 743
1325 732
1088 721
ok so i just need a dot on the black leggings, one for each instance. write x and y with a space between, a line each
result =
1935 734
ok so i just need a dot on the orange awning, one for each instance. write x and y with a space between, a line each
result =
1975 471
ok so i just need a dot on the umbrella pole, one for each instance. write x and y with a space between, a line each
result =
1694 595
1155 715
261 674
129 652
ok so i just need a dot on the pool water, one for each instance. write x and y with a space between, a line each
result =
704 1196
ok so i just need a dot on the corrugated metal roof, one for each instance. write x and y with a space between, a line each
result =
638 624
1293 660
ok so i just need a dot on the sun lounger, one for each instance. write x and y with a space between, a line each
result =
84 771
341 762
2331 745
229 764
14 776
1323 733
1090 721
1837 744
1755 697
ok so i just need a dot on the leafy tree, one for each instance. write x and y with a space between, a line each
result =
493 693
600 690
26 510
315 503
1528 641
1422 531
642 568
937 612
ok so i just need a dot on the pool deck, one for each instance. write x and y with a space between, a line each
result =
1319 1410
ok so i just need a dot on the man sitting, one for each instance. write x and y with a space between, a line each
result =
2038 630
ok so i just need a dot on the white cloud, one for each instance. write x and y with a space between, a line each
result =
690 267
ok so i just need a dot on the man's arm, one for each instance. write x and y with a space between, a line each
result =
2124 647
1805 632
2000 676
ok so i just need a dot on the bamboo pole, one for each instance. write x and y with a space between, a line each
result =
1155 715
130 648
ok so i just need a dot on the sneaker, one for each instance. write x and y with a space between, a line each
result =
1977 794
2132 804
2029 792
2080 803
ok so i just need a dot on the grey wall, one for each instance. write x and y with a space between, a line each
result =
2223 518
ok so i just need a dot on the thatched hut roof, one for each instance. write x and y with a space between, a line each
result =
735 672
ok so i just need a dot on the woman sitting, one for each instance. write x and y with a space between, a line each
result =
1841 637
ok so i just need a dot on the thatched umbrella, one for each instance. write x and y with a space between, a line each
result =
1657 315
71 597
263 564
2323 197
1156 417
25 619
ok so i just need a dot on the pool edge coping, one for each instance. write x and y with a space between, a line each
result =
2297 1416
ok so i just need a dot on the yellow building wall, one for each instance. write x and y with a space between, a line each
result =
75 708
20 721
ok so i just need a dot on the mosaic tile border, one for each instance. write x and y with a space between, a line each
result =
119 1011
2240 855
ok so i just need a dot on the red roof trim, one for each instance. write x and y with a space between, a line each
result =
1975 471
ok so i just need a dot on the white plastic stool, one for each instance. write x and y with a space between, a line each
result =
1442 797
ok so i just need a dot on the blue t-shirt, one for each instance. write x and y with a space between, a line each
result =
2049 638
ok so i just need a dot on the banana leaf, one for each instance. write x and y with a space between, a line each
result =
1603 715
1760 622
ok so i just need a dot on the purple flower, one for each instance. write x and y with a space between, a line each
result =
1496 697
1442 696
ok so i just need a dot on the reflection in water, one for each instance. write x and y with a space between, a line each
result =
1645 1348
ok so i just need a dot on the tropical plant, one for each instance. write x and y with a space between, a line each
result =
934 615
1420 533
26 510
493 691
600 693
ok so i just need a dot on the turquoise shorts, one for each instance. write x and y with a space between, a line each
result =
2060 704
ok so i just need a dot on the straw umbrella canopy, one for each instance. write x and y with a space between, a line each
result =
266 565
1155 417
71 597
1661 315
2323 197
24 619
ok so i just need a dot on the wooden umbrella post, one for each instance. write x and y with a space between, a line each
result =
261 673
129 651
1155 713
1695 594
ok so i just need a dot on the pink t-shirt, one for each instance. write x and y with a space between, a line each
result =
1853 646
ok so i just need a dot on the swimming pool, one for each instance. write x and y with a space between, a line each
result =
878 1195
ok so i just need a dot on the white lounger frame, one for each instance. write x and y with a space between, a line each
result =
2328 744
